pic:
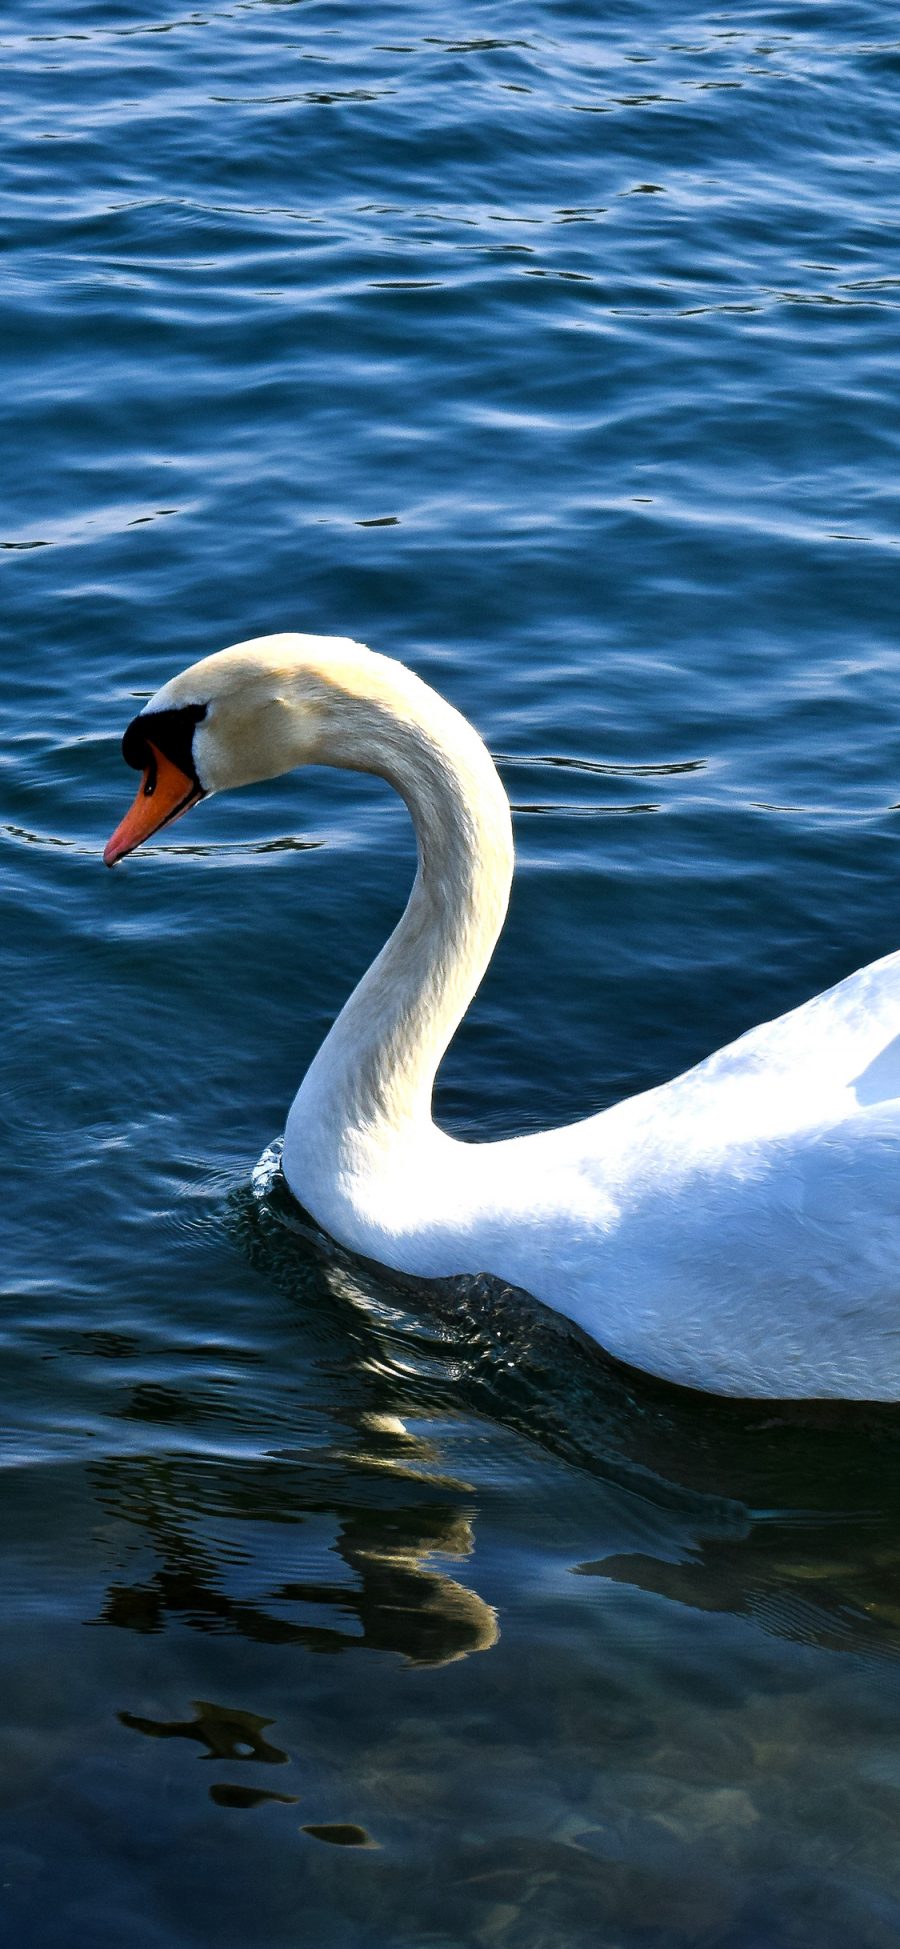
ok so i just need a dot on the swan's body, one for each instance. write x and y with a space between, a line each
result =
737 1229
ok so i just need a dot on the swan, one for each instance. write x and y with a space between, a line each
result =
735 1230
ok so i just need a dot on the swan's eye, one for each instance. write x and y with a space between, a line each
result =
150 769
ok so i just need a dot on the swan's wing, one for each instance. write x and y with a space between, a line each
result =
737 1229
773 1268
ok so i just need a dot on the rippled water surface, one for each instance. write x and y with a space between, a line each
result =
554 349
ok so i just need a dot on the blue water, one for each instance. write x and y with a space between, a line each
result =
554 350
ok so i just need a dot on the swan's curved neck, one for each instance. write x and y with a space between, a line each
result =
369 1089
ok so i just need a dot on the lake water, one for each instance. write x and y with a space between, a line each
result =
554 349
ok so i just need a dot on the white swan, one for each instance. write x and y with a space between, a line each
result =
737 1229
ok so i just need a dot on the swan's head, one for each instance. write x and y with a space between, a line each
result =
246 714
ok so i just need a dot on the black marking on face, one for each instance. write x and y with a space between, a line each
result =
172 732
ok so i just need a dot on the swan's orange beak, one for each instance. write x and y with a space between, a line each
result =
165 791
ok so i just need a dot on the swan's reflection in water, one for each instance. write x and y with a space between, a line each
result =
396 1596
817 1583
392 1516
